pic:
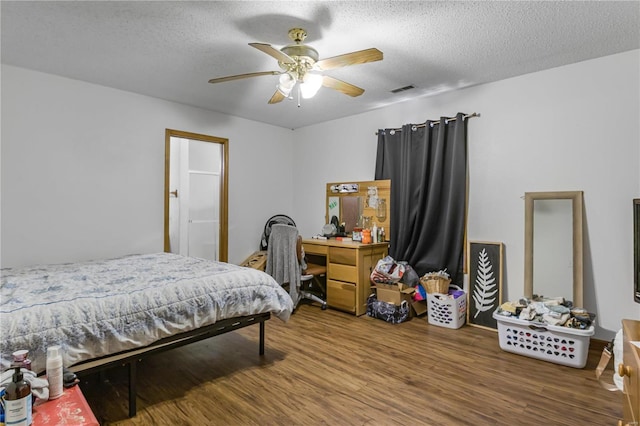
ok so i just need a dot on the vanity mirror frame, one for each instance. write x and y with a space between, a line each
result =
576 198
334 202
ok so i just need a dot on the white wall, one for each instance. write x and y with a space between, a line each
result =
83 170
570 128
83 167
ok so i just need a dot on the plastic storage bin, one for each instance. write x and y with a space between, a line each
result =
560 345
446 312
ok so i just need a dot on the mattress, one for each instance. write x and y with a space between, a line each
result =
99 308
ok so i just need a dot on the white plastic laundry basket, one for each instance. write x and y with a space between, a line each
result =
561 345
446 311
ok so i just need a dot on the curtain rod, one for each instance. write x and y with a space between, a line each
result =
415 126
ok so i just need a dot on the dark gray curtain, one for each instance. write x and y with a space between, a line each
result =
427 166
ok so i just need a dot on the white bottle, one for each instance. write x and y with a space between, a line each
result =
374 233
54 371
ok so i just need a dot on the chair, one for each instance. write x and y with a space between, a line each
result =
286 264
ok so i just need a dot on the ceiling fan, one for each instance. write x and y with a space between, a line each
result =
300 64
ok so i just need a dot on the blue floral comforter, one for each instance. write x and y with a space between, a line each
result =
98 308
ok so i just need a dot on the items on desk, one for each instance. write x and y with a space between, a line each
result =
54 371
365 222
17 400
69 378
39 385
21 358
329 230
367 236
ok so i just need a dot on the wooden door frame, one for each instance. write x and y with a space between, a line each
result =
223 248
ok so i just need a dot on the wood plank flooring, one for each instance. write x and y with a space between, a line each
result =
331 368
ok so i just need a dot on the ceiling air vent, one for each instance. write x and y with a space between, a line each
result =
402 89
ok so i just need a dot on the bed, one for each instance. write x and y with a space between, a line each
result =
116 311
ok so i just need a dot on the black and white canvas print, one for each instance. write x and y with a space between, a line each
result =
485 283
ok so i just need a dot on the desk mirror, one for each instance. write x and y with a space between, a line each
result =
368 204
553 245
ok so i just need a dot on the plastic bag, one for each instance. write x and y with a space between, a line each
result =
410 276
387 271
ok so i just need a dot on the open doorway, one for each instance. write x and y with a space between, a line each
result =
195 204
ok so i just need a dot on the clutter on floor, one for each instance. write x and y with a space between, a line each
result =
401 294
550 329
553 311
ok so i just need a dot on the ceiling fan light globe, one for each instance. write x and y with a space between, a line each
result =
284 91
286 83
310 86
287 80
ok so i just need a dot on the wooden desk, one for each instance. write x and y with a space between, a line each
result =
349 266
630 372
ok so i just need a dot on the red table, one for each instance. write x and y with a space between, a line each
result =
71 409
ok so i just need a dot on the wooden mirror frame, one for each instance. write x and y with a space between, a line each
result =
577 206
384 191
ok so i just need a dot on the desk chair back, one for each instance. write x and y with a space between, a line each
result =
285 263
273 220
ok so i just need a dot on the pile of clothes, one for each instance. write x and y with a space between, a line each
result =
553 311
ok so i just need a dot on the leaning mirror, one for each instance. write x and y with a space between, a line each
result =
553 245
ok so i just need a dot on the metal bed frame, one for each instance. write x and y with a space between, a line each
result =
132 357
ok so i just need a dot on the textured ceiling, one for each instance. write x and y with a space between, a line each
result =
170 50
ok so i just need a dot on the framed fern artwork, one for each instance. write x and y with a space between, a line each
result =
485 283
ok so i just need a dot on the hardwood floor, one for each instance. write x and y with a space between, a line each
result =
331 368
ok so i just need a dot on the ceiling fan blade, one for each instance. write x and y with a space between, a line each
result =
241 76
341 86
272 51
353 58
277 97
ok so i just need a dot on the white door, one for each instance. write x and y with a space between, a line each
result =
194 205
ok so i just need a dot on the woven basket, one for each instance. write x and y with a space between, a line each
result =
435 284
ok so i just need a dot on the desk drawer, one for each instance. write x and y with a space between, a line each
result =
342 255
315 248
342 272
341 295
